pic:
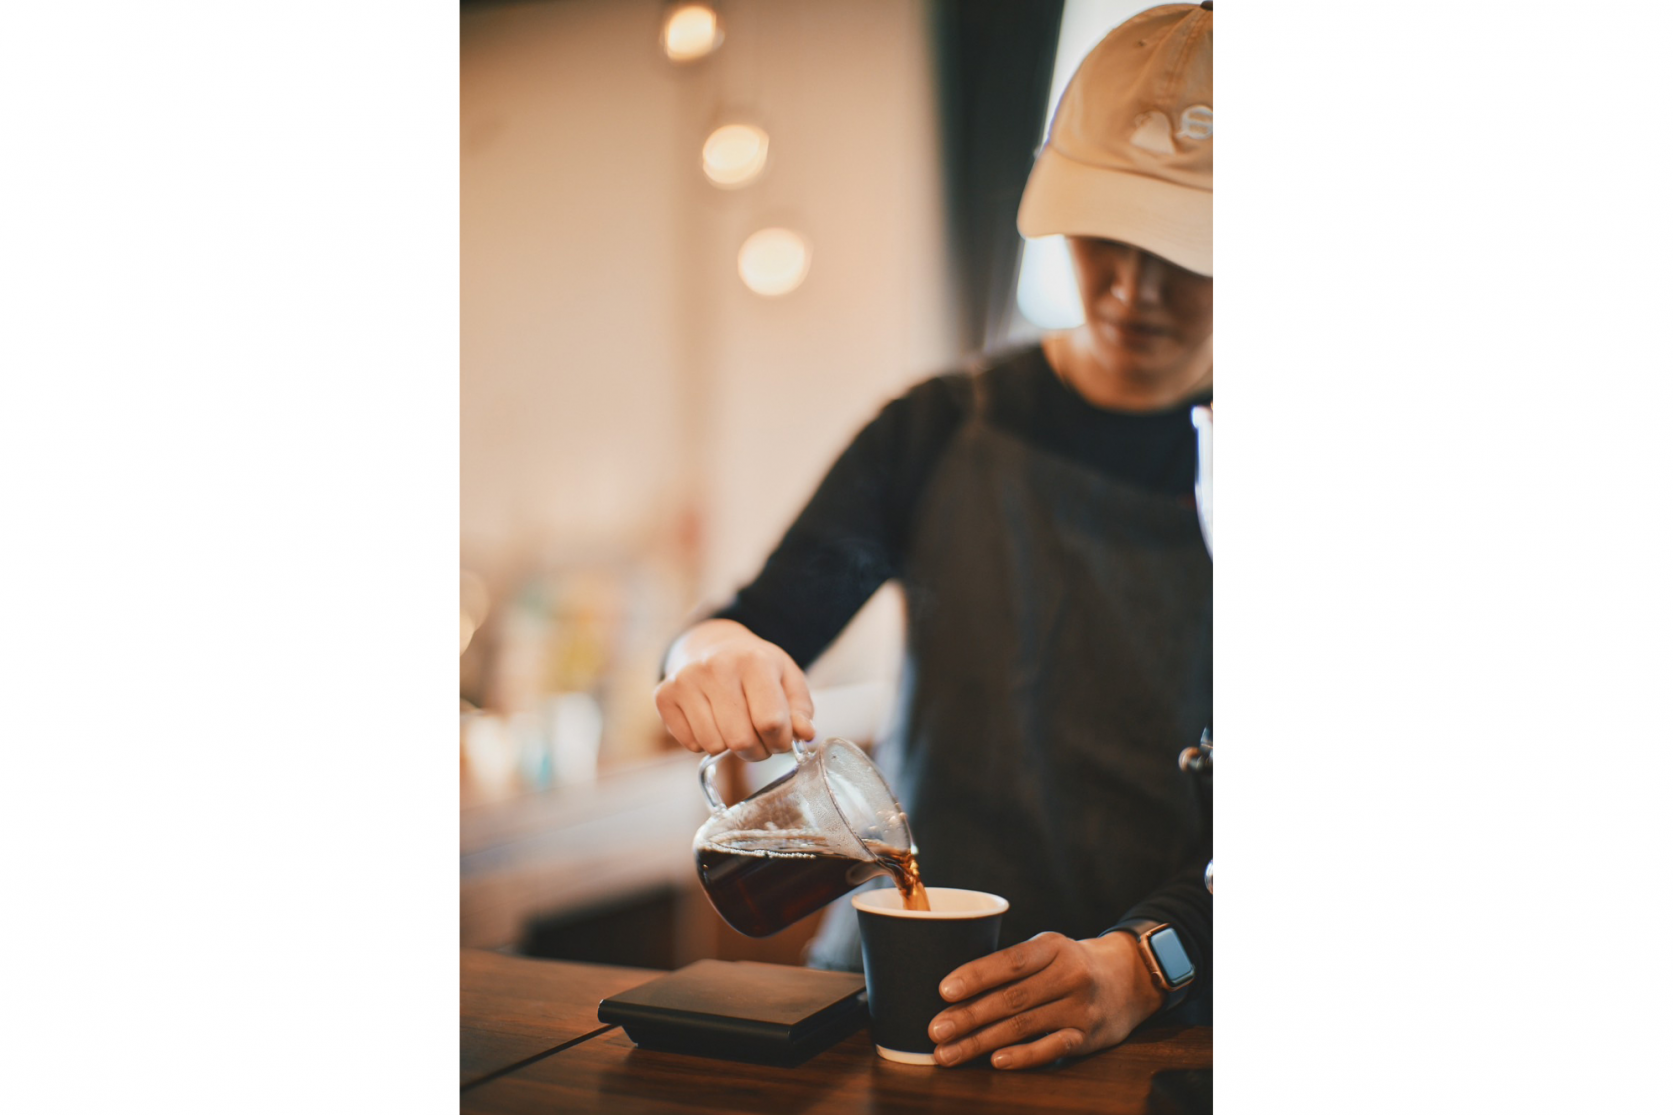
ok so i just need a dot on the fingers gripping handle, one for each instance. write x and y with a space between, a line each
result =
705 773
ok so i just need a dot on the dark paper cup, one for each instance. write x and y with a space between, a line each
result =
908 953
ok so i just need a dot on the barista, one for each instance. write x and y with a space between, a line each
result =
1038 514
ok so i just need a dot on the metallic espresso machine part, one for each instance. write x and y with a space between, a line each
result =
1200 760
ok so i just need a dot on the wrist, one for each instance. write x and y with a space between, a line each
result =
698 640
1118 955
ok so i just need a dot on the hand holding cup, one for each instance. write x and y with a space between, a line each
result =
1048 997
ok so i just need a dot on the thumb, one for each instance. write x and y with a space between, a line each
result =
801 701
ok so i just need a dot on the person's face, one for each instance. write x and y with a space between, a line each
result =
1147 319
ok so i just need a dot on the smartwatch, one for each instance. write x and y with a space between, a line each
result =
1171 970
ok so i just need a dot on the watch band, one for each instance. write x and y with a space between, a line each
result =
1173 989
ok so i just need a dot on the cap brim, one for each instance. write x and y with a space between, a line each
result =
1067 198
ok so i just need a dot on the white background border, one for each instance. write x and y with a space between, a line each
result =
230 487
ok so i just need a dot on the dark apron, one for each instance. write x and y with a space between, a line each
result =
1058 658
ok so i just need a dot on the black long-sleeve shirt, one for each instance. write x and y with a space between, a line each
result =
852 536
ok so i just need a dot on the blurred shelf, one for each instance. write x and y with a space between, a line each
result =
533 854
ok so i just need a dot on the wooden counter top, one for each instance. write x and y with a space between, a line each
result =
604 1072
512 1009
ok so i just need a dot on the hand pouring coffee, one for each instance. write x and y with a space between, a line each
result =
804 840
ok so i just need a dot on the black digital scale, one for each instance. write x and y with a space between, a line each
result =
741 1010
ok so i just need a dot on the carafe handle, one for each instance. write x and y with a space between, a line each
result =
705 773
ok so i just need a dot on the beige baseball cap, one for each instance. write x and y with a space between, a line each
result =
1130 155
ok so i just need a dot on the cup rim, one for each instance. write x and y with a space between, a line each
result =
861 903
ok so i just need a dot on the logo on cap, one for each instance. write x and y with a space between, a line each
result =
1154 132
1196 122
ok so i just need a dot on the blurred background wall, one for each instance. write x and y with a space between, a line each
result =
638 427
623 396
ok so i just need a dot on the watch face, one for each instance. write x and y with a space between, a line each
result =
1170 954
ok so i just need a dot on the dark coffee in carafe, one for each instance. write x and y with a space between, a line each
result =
761 882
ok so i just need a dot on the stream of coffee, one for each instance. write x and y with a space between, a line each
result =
902 866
